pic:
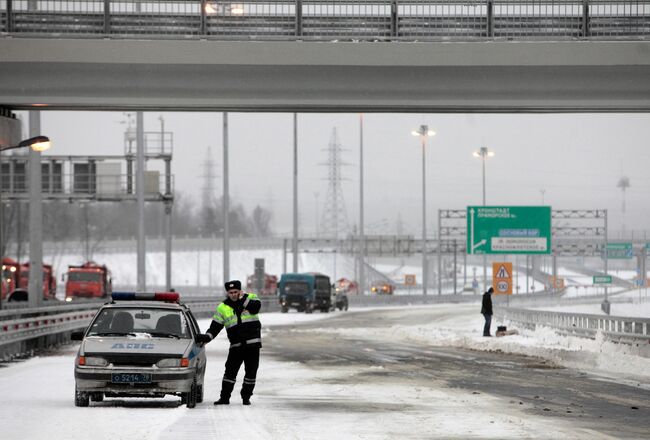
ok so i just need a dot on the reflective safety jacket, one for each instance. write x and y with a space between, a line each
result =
240 318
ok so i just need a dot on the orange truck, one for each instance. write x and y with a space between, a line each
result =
10 272
49 280
270 286
90 280
346 286
382 289
15 280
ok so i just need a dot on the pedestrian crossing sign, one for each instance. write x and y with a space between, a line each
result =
502 278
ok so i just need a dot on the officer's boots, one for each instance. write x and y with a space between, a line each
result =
226 390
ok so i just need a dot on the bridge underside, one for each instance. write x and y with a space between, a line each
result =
324 76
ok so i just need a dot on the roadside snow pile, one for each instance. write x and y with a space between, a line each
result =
461 327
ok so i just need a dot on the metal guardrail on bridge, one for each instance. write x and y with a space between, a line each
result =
373 20
622 329
51 325
20 325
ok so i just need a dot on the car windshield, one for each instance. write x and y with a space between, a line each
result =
85 276
300 287
160 323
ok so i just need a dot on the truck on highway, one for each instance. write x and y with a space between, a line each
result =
305 292
15 281
49 280
89 280
10 271
382 289
270 286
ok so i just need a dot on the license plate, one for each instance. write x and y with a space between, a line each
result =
131 378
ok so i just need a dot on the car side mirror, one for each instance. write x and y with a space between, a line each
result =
77 335
202 338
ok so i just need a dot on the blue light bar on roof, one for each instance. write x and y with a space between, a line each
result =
123 296
133 296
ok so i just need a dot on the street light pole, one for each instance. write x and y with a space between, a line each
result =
424 132
38 144
226 203
294 241
362 234
484 153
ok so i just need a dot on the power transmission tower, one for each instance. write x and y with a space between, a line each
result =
209 190
335 218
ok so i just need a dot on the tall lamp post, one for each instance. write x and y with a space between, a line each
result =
424 133
484 153
38 144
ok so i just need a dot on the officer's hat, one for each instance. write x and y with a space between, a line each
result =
234 284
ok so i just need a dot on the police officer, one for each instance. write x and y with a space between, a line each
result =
238 314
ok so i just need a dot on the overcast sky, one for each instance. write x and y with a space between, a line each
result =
577 159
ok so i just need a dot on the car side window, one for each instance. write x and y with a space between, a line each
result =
193 323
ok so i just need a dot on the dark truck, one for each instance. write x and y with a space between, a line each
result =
305 292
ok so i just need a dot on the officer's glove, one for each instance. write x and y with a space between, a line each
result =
203 338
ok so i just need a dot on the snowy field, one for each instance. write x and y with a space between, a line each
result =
37 394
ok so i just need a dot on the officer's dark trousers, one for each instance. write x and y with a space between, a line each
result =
250 356
486 327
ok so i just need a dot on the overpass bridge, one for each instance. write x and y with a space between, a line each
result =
328 55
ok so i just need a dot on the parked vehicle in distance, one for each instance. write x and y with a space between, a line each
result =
10 272
49 280
340 300
141 345
270 286
89 280
305 292
382 289
15 281
346 286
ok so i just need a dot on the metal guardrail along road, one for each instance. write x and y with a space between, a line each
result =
369 20
623 329
17 326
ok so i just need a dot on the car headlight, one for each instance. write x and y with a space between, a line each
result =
92 361
173 363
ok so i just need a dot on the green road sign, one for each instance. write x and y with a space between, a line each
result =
619 251
508 229
647 248
602 279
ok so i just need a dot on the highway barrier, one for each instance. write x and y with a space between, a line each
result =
24 331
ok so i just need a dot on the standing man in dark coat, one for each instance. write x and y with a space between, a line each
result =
238 314
486 310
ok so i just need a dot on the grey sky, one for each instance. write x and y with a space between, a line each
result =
576 158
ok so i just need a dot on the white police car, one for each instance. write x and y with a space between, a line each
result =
141 345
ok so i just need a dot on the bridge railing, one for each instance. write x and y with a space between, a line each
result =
23 330
621 329
409 20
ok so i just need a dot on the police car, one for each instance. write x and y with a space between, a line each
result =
141 345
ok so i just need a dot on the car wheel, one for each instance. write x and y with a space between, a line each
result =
191 398
199 393
81 398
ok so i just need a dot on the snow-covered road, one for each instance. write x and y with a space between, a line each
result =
301 400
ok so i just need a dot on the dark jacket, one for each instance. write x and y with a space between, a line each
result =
240 319
486 307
